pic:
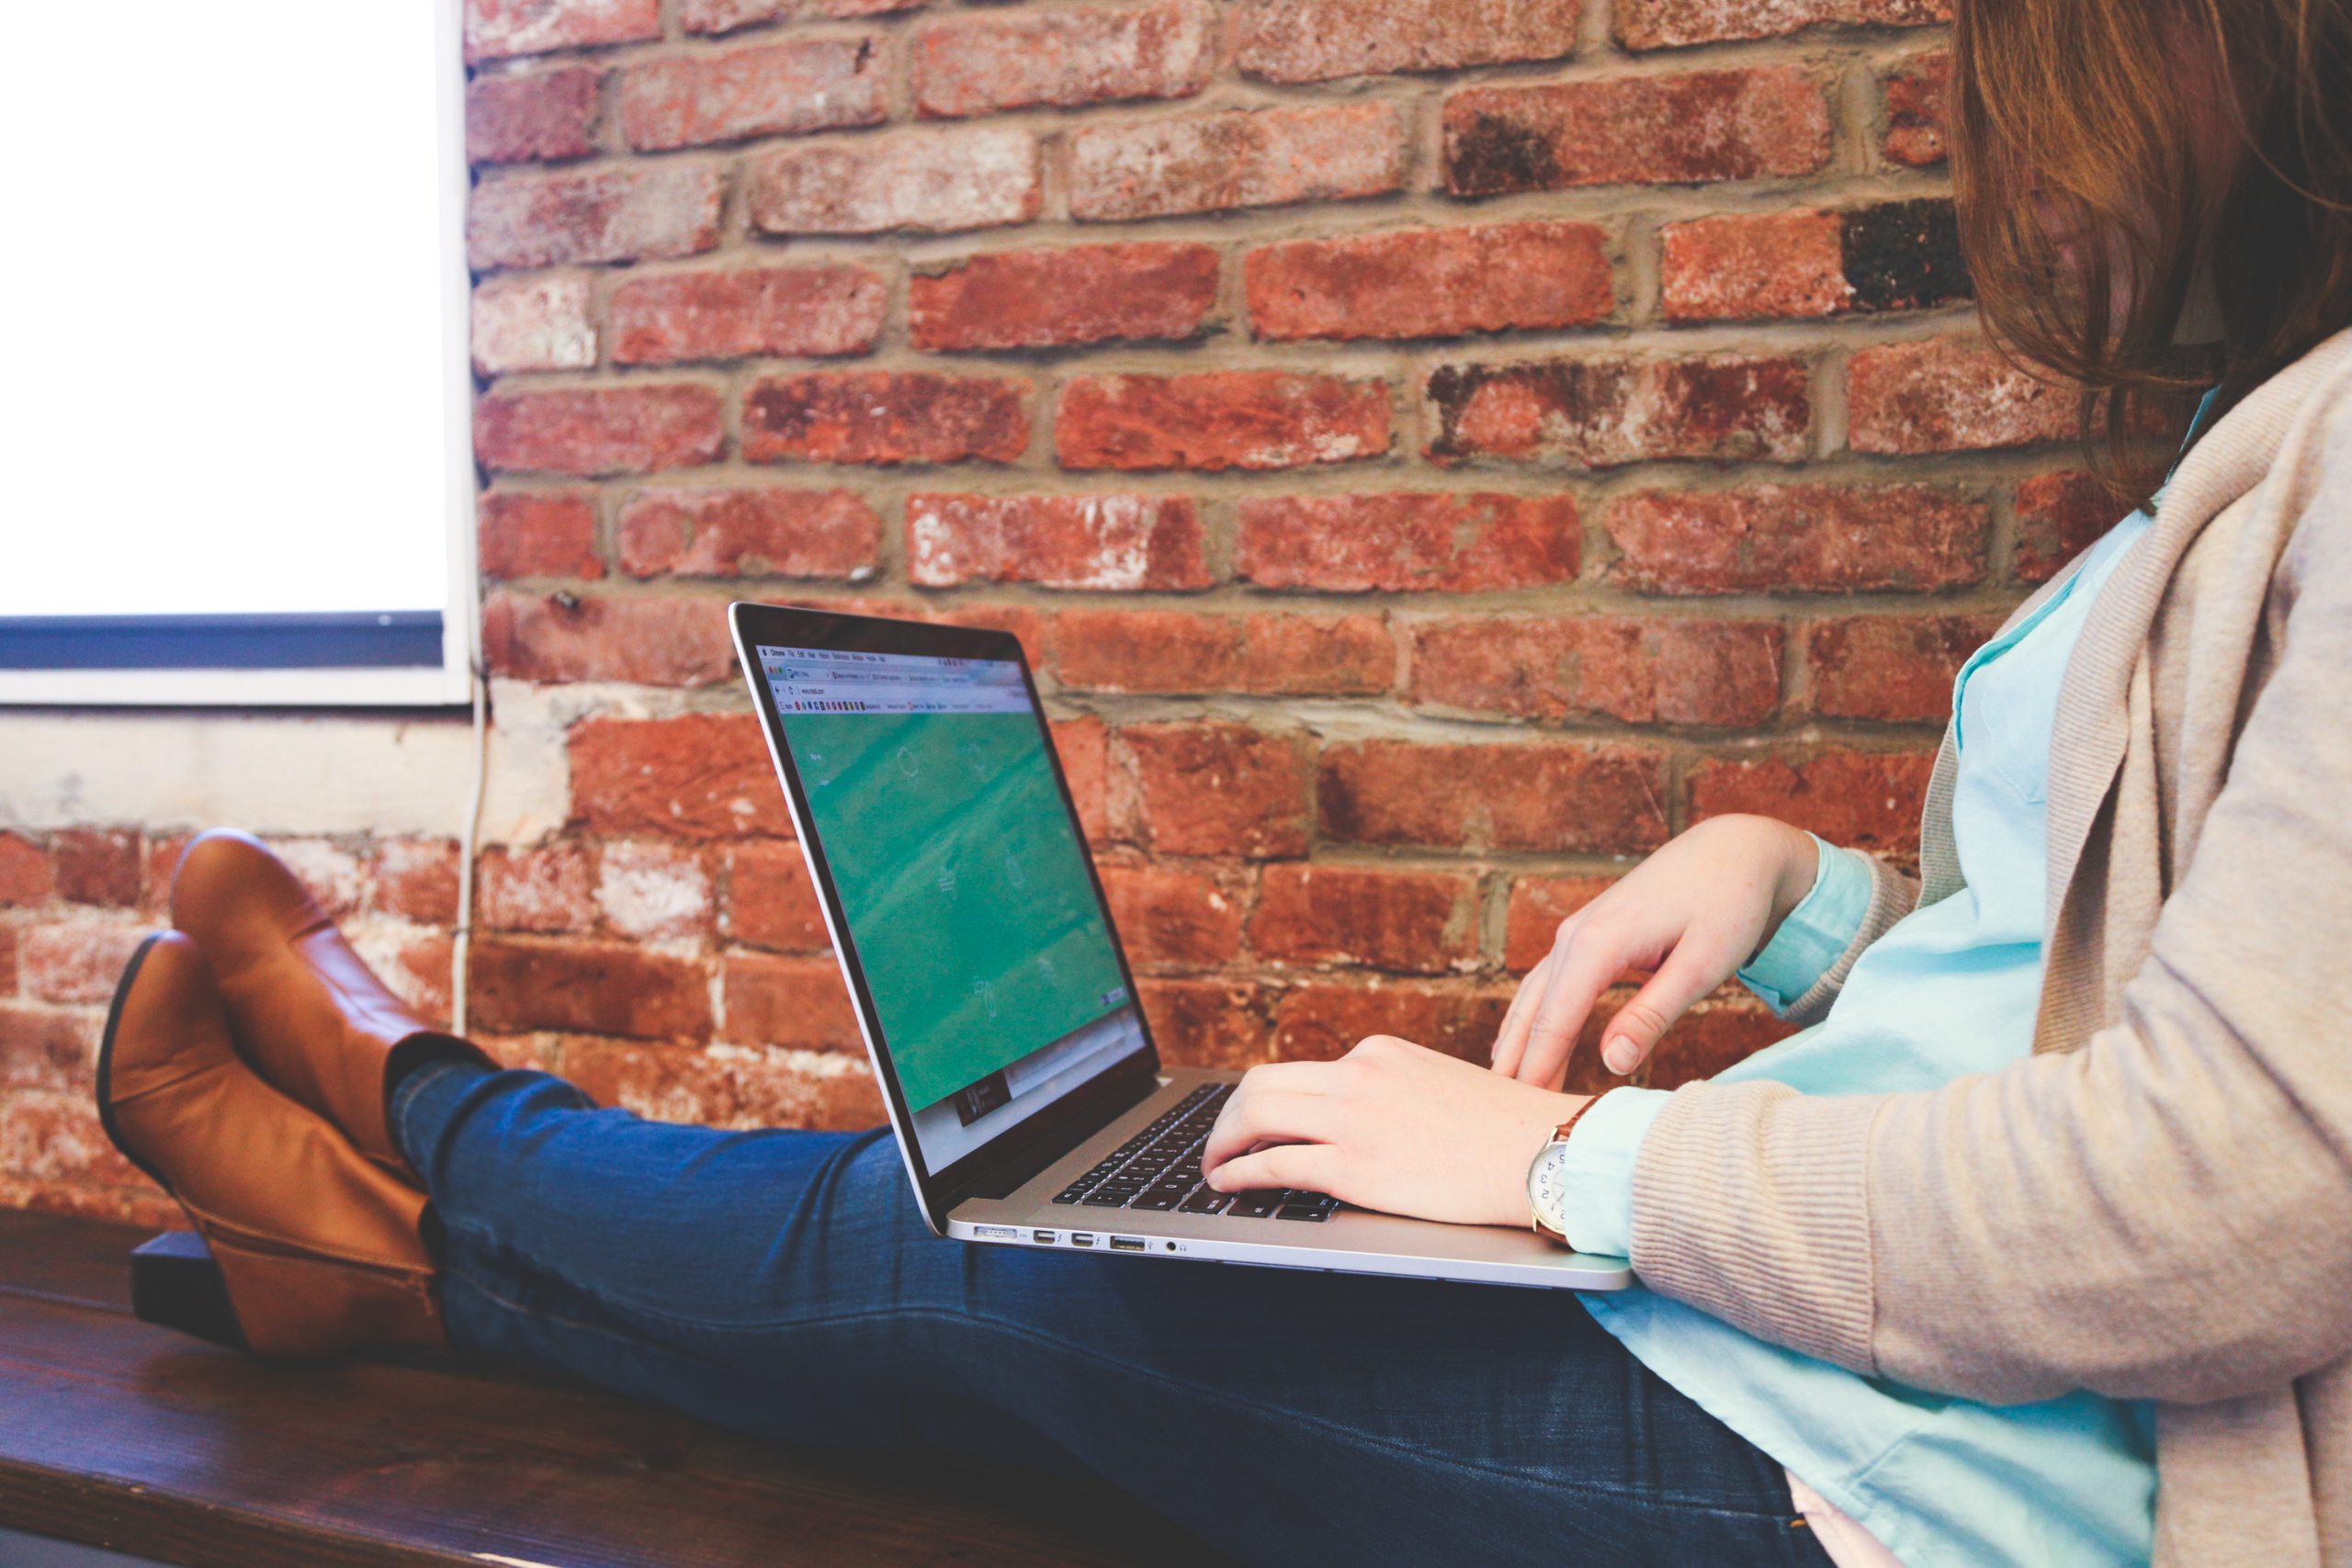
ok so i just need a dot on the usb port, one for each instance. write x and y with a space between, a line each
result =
1081 1238
1042 1238
1126 1243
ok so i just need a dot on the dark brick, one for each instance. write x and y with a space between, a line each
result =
1900 256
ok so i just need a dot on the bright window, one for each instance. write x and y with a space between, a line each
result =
241 470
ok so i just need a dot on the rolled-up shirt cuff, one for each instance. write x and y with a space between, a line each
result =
1815 932
1597 1176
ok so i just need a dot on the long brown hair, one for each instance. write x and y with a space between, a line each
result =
2082 103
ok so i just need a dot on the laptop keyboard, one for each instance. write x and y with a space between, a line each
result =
1159 1169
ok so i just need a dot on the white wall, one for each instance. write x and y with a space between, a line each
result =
298 772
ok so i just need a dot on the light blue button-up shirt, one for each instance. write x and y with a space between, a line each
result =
1948 990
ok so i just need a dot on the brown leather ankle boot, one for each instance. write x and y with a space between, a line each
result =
313 1019
319 1250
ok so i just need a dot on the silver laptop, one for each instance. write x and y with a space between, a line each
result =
1030 1103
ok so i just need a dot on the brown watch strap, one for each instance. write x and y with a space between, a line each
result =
1558 1135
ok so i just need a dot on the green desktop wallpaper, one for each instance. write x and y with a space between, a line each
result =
965 883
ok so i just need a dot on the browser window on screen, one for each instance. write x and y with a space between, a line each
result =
965 882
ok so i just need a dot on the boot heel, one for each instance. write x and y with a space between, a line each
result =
177 1282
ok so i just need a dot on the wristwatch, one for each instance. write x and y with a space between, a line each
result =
1547 1172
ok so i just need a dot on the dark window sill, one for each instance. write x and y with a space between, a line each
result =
388 639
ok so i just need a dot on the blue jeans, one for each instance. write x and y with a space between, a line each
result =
783 1283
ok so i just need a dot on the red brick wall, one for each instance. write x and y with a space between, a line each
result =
1433 450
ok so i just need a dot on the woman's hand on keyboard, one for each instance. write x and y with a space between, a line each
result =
1693 913
1391 1125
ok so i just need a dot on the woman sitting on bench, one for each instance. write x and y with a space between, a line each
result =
2035 1247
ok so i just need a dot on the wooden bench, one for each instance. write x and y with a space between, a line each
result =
118 1434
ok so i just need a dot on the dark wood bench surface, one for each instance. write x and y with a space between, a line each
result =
120 1434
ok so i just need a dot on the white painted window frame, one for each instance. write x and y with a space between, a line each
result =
412 687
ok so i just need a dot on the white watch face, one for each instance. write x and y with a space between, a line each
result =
1547 1181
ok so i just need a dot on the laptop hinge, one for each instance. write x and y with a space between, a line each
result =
1000 1168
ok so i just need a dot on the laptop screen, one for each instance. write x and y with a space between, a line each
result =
965 883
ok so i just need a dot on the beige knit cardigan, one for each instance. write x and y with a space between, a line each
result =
2157 1201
